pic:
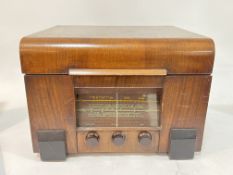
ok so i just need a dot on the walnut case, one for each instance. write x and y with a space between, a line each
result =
117 89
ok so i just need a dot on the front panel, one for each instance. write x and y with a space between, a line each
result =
117 113
116 116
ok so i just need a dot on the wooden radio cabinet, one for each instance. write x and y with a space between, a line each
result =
116 90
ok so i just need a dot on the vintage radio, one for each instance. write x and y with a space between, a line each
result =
99 89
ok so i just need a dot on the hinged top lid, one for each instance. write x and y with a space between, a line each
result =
58 49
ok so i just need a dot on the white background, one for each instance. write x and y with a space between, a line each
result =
22 17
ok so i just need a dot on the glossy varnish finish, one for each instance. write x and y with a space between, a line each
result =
115 81
118 72
51 105
177 62
184 105
61 48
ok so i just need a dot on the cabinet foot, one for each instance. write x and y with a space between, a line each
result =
182 144
52 145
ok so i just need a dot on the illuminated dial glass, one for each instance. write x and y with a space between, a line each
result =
108 107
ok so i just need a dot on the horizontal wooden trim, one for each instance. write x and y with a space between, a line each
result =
118 81
158 128
119 72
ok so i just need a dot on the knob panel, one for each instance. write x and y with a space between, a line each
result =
122 139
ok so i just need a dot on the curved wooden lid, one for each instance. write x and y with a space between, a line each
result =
58 49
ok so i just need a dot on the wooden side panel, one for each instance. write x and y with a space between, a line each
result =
184 105
51 104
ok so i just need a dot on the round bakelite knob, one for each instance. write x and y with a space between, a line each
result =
92 139
118 138
144 138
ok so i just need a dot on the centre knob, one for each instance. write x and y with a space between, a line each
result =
144 138
92 139
118 138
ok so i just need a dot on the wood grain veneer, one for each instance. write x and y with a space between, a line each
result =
61 60
184 105
51 105
59 49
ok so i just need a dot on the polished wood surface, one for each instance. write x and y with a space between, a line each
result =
51 105
62 48
116 81
60 61
184 105
118 72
